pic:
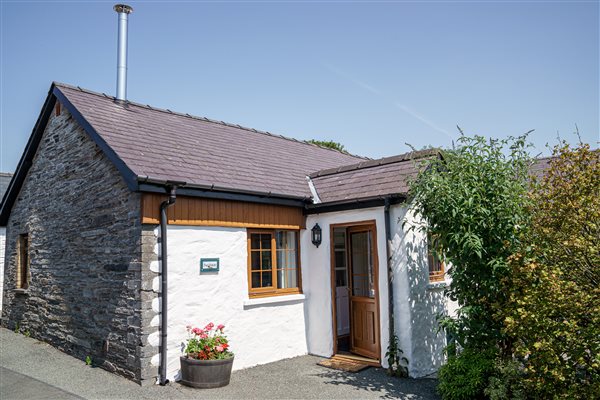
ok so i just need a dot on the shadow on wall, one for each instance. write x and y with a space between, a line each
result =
420 302
428 304
376 381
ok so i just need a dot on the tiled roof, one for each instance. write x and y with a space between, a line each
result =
164 145
539 166
368 179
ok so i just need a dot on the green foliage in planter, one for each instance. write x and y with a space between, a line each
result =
465 376
207 343
552 317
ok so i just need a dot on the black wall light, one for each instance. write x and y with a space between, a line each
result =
316 235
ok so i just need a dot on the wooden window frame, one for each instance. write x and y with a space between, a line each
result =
273 290
23 261
435 275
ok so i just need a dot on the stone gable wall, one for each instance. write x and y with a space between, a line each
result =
85 294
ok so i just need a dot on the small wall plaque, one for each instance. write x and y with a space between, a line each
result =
209 265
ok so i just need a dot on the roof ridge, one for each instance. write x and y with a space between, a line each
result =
205 119
411 155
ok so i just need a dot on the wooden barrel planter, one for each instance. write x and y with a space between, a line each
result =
205 374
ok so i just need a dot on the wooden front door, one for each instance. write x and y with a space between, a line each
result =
364 338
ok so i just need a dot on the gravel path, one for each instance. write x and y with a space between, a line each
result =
35 370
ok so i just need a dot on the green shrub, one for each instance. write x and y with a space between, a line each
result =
506 382
466 375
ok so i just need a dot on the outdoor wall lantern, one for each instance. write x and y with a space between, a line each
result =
316 235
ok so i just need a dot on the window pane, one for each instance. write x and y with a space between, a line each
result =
255 260
362 264
267 279
340 278
360 286
281 260
291 258
340 259
292 278
266 259
255 241
286 240
339 239
256 279
265 241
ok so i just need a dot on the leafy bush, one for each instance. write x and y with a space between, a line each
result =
506 381
472 200
552 317
465 376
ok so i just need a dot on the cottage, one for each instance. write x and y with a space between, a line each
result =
125 223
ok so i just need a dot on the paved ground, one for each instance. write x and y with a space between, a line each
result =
34 370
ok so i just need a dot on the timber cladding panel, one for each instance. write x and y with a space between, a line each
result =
213 212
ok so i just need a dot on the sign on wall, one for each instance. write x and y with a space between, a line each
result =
209 265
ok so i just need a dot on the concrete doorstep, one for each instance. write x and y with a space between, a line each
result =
30 369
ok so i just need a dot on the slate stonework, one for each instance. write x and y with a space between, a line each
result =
85 294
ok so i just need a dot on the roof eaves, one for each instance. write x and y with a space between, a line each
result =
352 204
151 185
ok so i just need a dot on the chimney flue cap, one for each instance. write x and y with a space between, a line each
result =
123 8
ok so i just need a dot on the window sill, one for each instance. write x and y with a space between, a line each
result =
273 300
24 292
437 285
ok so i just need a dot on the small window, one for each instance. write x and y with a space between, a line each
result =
436 265
23 261
273 263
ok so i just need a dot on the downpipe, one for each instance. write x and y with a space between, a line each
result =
163 284
388 242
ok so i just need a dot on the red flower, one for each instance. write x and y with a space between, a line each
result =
196 331
221 327
209 326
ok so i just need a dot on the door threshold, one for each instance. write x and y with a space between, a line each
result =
354 357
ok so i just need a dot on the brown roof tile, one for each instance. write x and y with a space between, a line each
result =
164 145
367 179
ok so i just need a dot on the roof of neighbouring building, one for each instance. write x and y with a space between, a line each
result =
5 178
163 145
371 178
540 166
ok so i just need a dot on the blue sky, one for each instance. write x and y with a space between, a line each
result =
371 75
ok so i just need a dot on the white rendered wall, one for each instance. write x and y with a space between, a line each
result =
2 247
258 334
316 279
417 303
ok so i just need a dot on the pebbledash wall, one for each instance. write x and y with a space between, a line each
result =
85 252
260 330
263 330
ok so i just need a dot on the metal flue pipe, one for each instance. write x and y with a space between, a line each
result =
123 10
